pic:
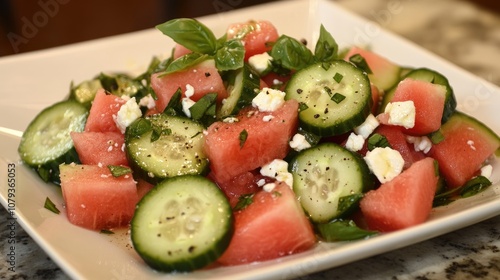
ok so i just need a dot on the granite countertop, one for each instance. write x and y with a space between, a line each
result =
460 32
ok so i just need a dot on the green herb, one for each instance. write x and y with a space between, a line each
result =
329 91
303 106
158 132
337 98
174 106
361 63
291 54
244 201
243 137
118 170
49 205
338 77
326 49
138 128
191 34
377 141
342 230
230 56
184 62
106 231
470 188
349 203
474 186
202 106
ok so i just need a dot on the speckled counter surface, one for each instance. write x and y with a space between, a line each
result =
456 30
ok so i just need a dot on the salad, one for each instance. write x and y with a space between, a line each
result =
251 146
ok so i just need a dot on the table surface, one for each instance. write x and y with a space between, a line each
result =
465 34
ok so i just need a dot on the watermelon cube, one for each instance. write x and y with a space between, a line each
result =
428 99
103 108
466 146
385 73
265 141
95 199
203 77
100 148
404 201
272 226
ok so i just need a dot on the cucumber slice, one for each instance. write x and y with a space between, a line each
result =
46 143
425 74
243 87
326 174
161 146
85 92
184 223
333 100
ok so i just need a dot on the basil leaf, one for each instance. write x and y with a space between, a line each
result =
243 201
377 140
291 54
49 205
184 62
230 56
326 49
337 97
303 106
158 132
191 34
138 128
174 106
202 106
342 230
338 77
474 186
470 188
243 137
118 170
106 231
349 203
361 63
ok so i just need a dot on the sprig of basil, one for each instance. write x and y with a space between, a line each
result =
195 36
191 34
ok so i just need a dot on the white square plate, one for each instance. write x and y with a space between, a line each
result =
32 81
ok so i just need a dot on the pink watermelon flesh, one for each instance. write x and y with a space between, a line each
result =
265 142
243 184
203 77
259 40
466 146
385 73
106 148
428 99
274 225
103 108
404 201
180 50
95 199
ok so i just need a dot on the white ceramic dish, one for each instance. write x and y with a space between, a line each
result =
35 80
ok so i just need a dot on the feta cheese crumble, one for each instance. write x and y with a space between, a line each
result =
128 113
260 62
268 100
422 143
367 127
187 102
385 163
299 142
355 142
147 101
401 113
278 169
